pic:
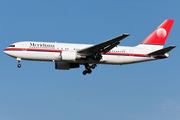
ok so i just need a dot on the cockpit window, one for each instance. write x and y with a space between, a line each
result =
12 46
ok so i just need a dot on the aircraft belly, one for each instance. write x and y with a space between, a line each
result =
135 59
113 59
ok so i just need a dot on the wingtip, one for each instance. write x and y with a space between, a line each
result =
126 34
173 46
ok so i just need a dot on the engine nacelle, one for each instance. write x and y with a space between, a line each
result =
68 55
65 65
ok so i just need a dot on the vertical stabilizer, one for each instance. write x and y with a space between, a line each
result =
160 34
157 38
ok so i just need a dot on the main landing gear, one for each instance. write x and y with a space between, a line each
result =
18 61
88 68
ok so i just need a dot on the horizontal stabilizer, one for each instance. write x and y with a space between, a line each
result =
162 51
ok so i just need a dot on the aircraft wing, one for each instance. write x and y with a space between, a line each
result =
104 46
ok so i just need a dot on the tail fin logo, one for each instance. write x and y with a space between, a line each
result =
161 33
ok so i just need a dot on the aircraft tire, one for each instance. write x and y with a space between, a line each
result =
84 72
89 71
19 65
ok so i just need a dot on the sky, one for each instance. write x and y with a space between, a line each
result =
37 91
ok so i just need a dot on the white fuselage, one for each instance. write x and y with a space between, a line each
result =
47 51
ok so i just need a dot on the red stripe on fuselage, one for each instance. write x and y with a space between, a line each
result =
55 50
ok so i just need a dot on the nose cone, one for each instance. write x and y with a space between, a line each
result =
9 52
5 51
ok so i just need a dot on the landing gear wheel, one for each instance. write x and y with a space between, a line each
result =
84 72
18 61
88 68
19 65
89 71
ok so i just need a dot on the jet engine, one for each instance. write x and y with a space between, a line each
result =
68 55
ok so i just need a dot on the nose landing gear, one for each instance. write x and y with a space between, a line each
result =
19 65
18 61
88 68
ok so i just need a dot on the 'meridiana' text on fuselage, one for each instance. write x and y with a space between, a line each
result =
42 45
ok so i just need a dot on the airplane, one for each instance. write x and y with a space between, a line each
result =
67 56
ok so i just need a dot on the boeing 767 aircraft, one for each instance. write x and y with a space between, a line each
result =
67 56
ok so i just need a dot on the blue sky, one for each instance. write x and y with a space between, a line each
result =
36 91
